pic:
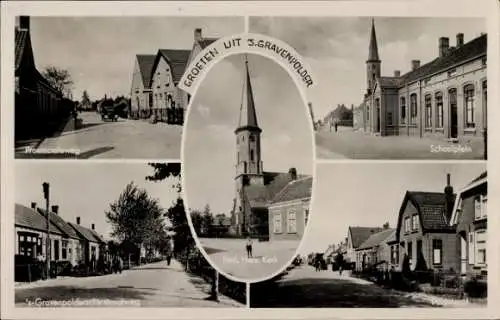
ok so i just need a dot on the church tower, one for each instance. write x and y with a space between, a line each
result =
373 62
248 158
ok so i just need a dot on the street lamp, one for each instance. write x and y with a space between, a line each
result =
46 186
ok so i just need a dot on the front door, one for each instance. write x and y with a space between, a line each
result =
463 255
378 119
453 113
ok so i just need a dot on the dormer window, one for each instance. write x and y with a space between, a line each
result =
252 138
452 72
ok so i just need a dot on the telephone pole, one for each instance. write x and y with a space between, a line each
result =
48 255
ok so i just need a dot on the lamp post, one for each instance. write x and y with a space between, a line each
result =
45 186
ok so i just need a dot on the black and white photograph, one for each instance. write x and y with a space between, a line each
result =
389 235
248 161
106 87
395 87
116 235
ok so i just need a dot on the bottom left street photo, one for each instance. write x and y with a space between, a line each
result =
109 234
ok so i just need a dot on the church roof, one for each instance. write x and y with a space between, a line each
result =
295 190
373 50
248 116
146 62
262 195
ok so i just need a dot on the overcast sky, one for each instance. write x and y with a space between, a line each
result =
99 52
85 189
337 47
370 194
210 143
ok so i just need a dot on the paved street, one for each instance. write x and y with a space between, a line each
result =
347 143
304 287
230 256
129 139
152 285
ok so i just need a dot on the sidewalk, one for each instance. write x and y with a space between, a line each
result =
22 145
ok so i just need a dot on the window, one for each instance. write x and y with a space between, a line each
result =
55 253
389 118
17 85
469 106
410 252
481 247
428 111
64 251
291 221
413 108
452 72
480 205
150 99
394 254
484 61
306 216
439 110
407 225
437 249
414 223
27 244
367 113
403 110
252 138
251 155
472 248
277 223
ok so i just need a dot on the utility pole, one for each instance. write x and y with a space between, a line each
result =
47 244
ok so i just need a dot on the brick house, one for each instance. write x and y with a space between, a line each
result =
141 101
289 211
424 232
470 220
70 248
39 106
355 237
443 98
375 251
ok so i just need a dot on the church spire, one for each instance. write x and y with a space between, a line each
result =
248 116
373 50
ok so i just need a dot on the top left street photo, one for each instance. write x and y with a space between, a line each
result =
106 87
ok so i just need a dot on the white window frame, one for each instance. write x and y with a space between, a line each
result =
472 247
291 215
437 252
480 245
277 223
414 222
480 207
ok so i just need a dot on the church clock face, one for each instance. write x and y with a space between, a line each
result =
239 215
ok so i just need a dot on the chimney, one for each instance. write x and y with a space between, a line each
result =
93 226
33 205
415 64
460 39
55 209
397 73
78 220
444 44
24 22
449 198
197 34
293 174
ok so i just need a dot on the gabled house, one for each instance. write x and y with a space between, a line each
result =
470 221
141 102
90 243
168 67
424 232
31 233
355 237
70 248
289 210
375 251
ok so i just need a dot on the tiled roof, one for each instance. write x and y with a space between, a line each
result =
297 189
146 62
21 39
262 195
361 234
97 236
376 239
177 60
469 50
432 207
28 218
60 223
205 42
84 232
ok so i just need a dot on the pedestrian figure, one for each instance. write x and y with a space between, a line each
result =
170 250
249 247
120 264
336 126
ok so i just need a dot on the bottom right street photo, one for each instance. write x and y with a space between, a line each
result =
389 235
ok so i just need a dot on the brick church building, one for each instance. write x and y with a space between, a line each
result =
258 190
445 97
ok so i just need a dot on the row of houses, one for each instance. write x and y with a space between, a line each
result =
69 241
155 79
436 231
39 106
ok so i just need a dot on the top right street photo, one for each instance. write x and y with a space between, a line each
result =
393 88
